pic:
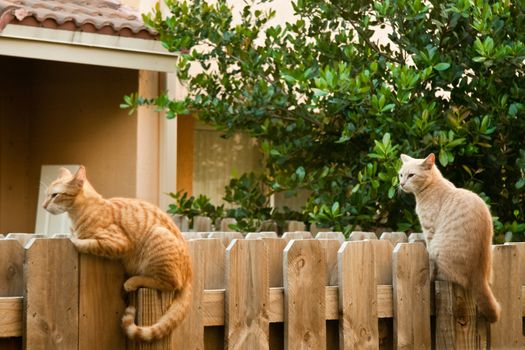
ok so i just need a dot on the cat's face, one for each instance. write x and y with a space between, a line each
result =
415 173
61 194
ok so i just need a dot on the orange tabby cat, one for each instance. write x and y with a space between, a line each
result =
143 237
458 230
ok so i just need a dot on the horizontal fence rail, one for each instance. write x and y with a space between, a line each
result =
262 292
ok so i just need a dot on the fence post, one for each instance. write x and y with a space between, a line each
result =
190 333
411 293
358 326
151 304
51 295
507 280
247 295
304 295
458 325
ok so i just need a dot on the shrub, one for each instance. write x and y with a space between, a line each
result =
333 108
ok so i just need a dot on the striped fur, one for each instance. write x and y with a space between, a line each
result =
458 230
150 246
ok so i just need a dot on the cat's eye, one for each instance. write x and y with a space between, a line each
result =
410 175
53 195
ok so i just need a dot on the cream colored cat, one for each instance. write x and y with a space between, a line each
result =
142 236
458 230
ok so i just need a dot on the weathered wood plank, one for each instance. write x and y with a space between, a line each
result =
11 310
11 268
411 299
358 326
275 248
247 295
458 325
195 235
101 303
304 270
51 295
331 246
507 274
260 235
214 278
190 333
416 237
383 272
151 304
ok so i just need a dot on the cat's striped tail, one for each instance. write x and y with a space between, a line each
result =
487 303
169 321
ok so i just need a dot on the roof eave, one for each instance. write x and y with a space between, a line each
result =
86 48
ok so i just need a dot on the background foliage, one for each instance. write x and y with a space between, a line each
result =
333 108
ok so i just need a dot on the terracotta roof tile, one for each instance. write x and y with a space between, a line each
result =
94 16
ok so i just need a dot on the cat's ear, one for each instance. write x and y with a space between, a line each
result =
405 158
429 161
64 172
80 177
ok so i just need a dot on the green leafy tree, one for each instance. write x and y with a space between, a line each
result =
333 107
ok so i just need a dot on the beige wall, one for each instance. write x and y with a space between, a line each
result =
59 113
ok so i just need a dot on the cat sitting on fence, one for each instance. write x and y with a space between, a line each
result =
142 236
458 230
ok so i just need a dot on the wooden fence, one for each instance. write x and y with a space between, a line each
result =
260 292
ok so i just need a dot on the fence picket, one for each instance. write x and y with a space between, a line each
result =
190 333
358 327
330 247
411 294
51 295
383 272
458 326
304 295
11 268
507 282
247 295
214 251
101 282
151 304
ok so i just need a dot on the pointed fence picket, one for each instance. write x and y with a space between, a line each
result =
261 293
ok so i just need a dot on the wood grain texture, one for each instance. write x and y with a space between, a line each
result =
202 224
190 333
330 247
458 326
304 295
383 272
51 295
151 305
101 303
288 236
507 274
411 299
214 270
275 248
247 295
11 268
358 326
11 311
